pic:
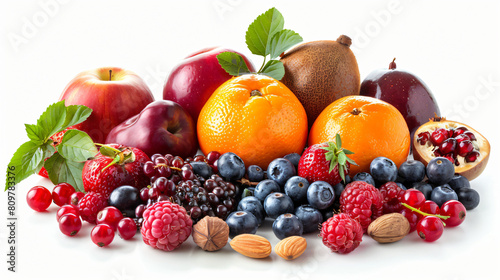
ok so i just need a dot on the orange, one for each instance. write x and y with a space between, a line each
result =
254 116
367 126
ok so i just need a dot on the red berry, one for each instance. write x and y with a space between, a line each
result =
361 201
456 210
109 215
39 198
430 228
413 197
102 235
459 131
391 194
462 137
429 207
471 135
70 224
341 233
61 194
411 216
438 136
472 156
127 228
464 147
448 146
75 197
90 205
66 209
212 157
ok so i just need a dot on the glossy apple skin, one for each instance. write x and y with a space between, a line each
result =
405 91
163 127
111 102
192 82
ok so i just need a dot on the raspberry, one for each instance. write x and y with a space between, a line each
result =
391 194
341 233
362 202
166 225
90 204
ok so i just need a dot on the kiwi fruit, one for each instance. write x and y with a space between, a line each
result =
321 72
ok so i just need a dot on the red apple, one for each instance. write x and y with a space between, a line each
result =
112 93
163 127
194 80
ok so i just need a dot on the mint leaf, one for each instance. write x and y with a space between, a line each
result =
52 120
282 41
76 114
274 69
27 160
233 63
34 134
77 146
62 170
262 29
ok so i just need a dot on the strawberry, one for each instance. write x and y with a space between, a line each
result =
56 139
325 162
115 165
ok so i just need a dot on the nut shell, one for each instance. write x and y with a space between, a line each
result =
291 247
211 233
389 228
251 245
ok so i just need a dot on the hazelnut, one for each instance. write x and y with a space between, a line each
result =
211 233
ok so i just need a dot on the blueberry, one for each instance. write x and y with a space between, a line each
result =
469 198
253 205
347 179
338 189
328 213
278 203
287 225
294 158
411 171
202 168
280 170
264 188
458 182
248 191
310 217
320 195
255 173
441 194
126 199
401 186
296 188
383 170
240 222
365 177
440 170
424 188
231 167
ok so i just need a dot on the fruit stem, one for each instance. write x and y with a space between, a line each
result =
262 66
110 71
423 213
355 111
255 92
392 65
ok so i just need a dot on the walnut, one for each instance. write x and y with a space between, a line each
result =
211 233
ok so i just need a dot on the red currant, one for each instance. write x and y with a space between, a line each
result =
109 215
456 210
39 198
412 218
429 207
61 194
127 228
102 235
413 198
75 197
66 209
430 228
70 224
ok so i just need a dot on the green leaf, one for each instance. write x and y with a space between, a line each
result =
77 146
76 114
62 170
52 120
342 158
26 161
338 141
274 69
233 63
341 172
282 41
351 161
347 152
261 31
34 134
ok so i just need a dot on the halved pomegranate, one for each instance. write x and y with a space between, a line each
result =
459 143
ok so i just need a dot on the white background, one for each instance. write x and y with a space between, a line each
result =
452 45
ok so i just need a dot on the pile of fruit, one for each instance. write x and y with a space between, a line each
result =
230 147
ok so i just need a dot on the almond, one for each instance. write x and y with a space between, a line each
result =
291 247
389 228
251 245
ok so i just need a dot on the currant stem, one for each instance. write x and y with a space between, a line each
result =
423 213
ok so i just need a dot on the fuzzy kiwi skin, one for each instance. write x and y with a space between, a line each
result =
321 72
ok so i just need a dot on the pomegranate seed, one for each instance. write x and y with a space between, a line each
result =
459 130
450 157
437 153
423 137
449 145
451 131
471 135
472 156
438 136
464 147
462 137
